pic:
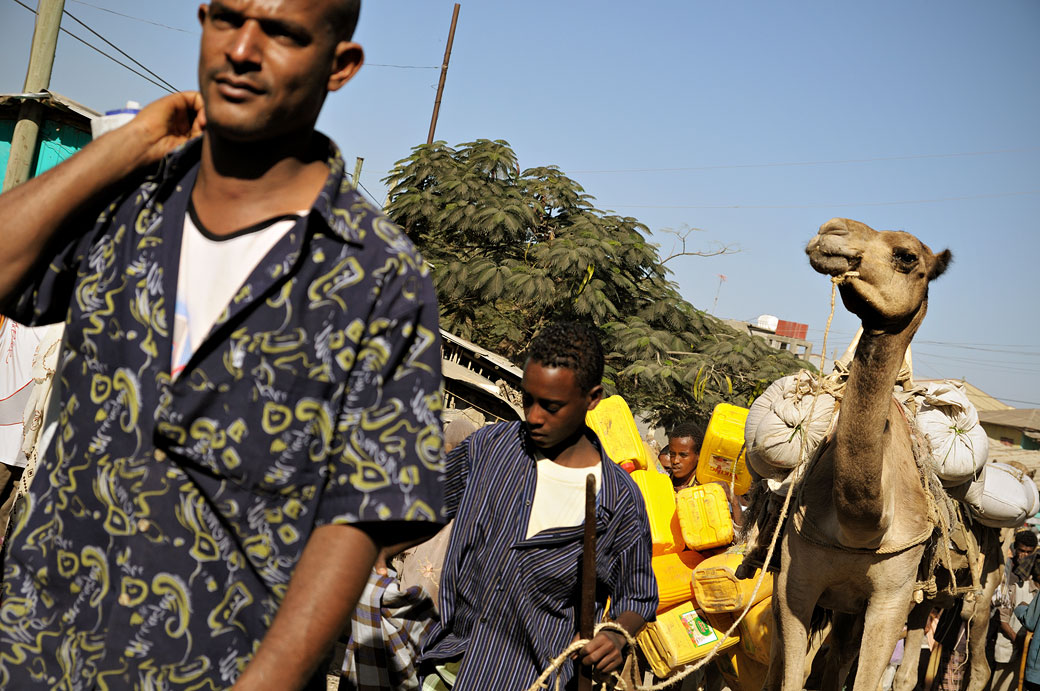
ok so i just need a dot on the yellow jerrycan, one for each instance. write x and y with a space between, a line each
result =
678 637
613 423
704 516
717 588
660 509
674 573
722 453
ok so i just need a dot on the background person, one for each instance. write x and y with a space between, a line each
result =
1017 588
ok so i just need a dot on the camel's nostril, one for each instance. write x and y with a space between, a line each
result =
835 226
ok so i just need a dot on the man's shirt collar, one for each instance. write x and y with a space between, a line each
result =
338 204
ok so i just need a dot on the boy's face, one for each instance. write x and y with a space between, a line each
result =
554 404
682 458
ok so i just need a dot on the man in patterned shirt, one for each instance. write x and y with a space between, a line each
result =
248 386
509 588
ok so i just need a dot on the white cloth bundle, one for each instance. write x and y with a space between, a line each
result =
958 442
779 423
1008 497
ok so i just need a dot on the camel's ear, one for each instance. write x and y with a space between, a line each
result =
942 260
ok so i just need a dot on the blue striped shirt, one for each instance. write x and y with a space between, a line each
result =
510 603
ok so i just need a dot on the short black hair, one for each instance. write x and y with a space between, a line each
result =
688 428
1026 538
344 18
574 346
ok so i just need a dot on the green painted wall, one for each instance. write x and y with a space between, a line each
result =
58 141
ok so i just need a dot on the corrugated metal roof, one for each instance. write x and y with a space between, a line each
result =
491 357
53 100
1020 418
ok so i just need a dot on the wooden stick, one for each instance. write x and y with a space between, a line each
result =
587 610
1022 665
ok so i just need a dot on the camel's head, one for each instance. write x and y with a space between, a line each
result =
886 272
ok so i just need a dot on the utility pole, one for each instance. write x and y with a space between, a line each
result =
37 78
357 172
444 74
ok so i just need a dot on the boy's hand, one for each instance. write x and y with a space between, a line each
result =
603 652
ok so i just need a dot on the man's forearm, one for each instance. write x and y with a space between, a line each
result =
322 593
32 213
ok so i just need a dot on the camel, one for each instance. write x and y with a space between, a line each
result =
861 518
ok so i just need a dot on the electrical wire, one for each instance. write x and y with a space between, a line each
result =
371 196
908 157
95 48
136 19
404 67
120 50
830 204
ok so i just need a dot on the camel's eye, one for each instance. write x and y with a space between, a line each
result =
904 257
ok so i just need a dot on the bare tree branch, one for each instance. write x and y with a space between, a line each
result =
684 235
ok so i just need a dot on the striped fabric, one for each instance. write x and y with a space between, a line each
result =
510 603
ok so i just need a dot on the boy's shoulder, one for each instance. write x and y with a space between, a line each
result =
627 493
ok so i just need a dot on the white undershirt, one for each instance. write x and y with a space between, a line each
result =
559 496
212 269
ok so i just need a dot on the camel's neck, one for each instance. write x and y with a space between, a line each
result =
862 426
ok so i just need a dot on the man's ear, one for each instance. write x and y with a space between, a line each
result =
347 59
595 396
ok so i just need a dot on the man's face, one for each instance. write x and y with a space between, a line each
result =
554 404
1022 552
265 66
682 458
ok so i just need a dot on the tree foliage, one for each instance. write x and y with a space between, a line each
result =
514 250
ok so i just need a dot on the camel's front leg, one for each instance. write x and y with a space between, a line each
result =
886 613
794 598
906 676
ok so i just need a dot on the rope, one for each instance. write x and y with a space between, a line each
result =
630 659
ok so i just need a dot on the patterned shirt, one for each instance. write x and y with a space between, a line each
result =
159 538
508 602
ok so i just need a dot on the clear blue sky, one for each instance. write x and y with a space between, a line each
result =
753 122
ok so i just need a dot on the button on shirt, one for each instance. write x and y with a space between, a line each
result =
157 542
508 602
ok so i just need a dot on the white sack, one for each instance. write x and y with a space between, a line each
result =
958 442
1008 496
970 493
779 421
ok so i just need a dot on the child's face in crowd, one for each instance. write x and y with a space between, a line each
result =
682 458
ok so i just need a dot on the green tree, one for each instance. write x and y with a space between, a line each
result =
513 250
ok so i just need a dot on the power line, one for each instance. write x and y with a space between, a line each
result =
95 48
120 50
404 67
370 195
908 157
829 204
136 19
1012 400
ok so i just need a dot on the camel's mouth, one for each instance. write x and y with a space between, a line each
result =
833 263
